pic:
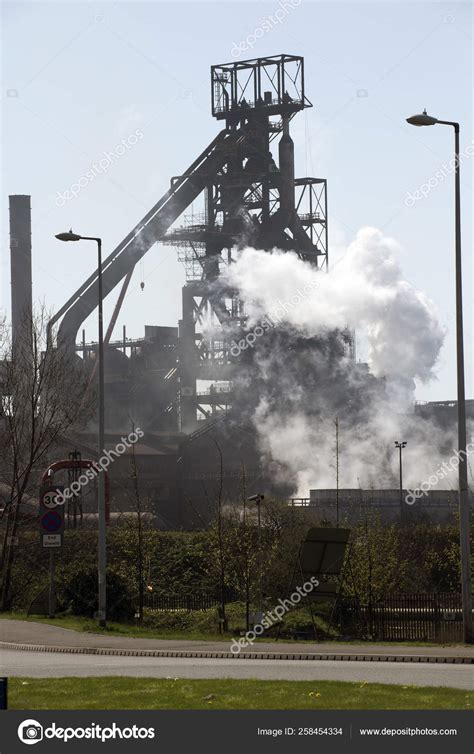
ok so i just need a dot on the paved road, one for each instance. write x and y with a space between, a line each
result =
53 665
29 632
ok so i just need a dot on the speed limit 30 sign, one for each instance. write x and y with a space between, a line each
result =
51 517
52 498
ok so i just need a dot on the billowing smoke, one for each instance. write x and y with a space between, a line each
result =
365 291
298 340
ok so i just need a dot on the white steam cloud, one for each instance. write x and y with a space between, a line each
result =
365 291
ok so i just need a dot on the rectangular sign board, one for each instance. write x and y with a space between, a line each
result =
51 517
323 551
52 540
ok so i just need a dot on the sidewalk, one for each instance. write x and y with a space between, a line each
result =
27 635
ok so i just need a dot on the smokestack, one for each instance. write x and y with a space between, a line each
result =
20 265
286 153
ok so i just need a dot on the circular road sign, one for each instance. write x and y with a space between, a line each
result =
49 499
51 521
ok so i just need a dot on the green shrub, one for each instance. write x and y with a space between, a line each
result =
80 594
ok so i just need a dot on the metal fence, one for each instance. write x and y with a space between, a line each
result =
433 617
156 603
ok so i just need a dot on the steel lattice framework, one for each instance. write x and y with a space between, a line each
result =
249 197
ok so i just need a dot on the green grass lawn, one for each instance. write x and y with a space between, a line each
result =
157 693
78 623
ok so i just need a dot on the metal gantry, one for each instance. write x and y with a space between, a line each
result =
250 197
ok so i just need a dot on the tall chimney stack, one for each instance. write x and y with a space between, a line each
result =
20 265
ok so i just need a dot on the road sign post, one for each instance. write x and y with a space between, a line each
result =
51 517
51 528
52 590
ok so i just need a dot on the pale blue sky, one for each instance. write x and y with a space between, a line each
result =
80 77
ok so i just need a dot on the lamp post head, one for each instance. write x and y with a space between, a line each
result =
69 236
423 119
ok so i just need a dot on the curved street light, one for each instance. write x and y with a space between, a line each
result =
101 520
464 509
422 120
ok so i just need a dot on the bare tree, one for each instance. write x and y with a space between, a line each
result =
139 508
240 535
220 540
42 400
246 548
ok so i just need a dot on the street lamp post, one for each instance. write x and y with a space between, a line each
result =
464 513
400 446
102 545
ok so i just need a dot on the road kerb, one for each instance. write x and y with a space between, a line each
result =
343 657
